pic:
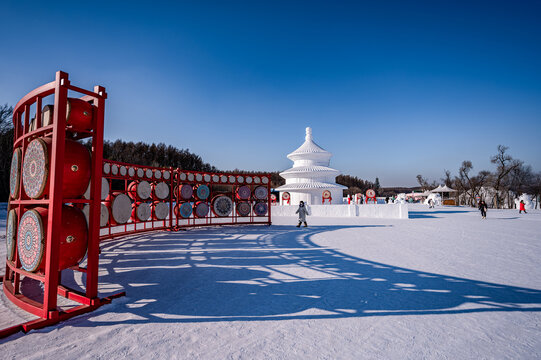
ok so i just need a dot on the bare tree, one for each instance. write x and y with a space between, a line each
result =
447 180
505 165
471 184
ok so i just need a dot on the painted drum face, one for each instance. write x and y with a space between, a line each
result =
223 178
148 173
15 174
106 168
206 177
141 211
244 192
257 180
186 191
158 174
240 179
222 205
286 196
123 171
215 178
160 210
370 193
273 197
244 208
182 176
11 234
184 210
201 209
114 169
265 180
36 169
131 172
198 177
260 209
326 194
202 192
161 190
249 180
79 114
139 190
190 177
260 193
231 179
140 172
166 175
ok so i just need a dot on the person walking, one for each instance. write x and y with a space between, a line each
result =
483 208
430 203
302 211
522 207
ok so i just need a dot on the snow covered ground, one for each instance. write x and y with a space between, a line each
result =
443 284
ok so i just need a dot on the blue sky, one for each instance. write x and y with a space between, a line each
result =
392 89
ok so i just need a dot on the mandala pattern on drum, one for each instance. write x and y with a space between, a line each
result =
244 192
185 210
201 209
15 174
202 192
35 168
244 208
260 209
11 232
260 193
222 205
30 240
186 192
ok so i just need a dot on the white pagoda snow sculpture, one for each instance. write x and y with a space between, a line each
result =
310 175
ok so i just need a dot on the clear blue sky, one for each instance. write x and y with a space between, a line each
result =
392 89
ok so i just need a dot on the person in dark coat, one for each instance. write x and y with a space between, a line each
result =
483 208
302 211
522 207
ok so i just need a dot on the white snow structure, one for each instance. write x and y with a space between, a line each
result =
310 175
436 198
527 198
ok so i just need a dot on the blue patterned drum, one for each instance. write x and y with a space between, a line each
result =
202 192
184 210
11 234
15 174
260 209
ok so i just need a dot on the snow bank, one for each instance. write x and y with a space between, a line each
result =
379 211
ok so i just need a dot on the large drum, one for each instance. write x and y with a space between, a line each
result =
244 208
243 192
201 209
261 193
141 211
11 233
15 174
202 192
32 238
104 214
185 192
260 208
160 210
78 115
36 169
222 205
104 190
161 190
121 209
139 190
184 210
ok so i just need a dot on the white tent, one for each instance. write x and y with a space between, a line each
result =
442 189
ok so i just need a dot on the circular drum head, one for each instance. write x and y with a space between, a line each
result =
143 211
143 190
326 194
198 177
286 196
131 172
244 208
260 193
206 177
104 214
161 210
140 172
15 174
161 190
148 173
240 179
121 208
166 175
265 180
244 192
260 209
106 168
223 178
185 210
273 197
201 209
231 179
123 171
11 233
182 176
190 177
249 180
370 193
158 174
114 169
215 178
31 240
257 180
202 192
35 168
186 191
222 205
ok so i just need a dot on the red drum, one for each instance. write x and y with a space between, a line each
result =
120 205
244 208
222 205
202 192
114 169
79 114
106 168
141 211
166 175
184 210
32 238
36 168
160 210
104 189
15 174
123 171
286 196
185 192
370 193
261 193
104 214
201 209
131 172
11 233
139 190
260 208
273 198
243 192
161 190
326 194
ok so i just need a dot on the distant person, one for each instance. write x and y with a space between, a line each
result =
387 200
522 207
483 208
302 211
430 203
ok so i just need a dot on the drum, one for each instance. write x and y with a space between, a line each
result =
32 238
185 191
223 178
140 172
11 233
114 169
261 193
257 180
104 189
198 177
243 192
184 210
260 208
139 190
244 208
148 173
47 114
36 169
240 179
265 180
206 177
122 170
104 214
33 125
161 190
222 205
160 210
131 172
79 114
106 168
201 209
120 205
326 194
141 211
191 177
370 193
273 198
15 174
166 175
215 178
286 196
231 179
182 176
248 180
202 192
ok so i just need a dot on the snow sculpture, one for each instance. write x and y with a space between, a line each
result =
311 175
436 198
528 204
400 198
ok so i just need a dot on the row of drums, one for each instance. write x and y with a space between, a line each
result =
202 192
121 170
215 178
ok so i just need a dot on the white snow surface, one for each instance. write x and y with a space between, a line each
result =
444 284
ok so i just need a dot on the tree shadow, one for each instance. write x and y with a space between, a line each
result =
416 214
255 273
